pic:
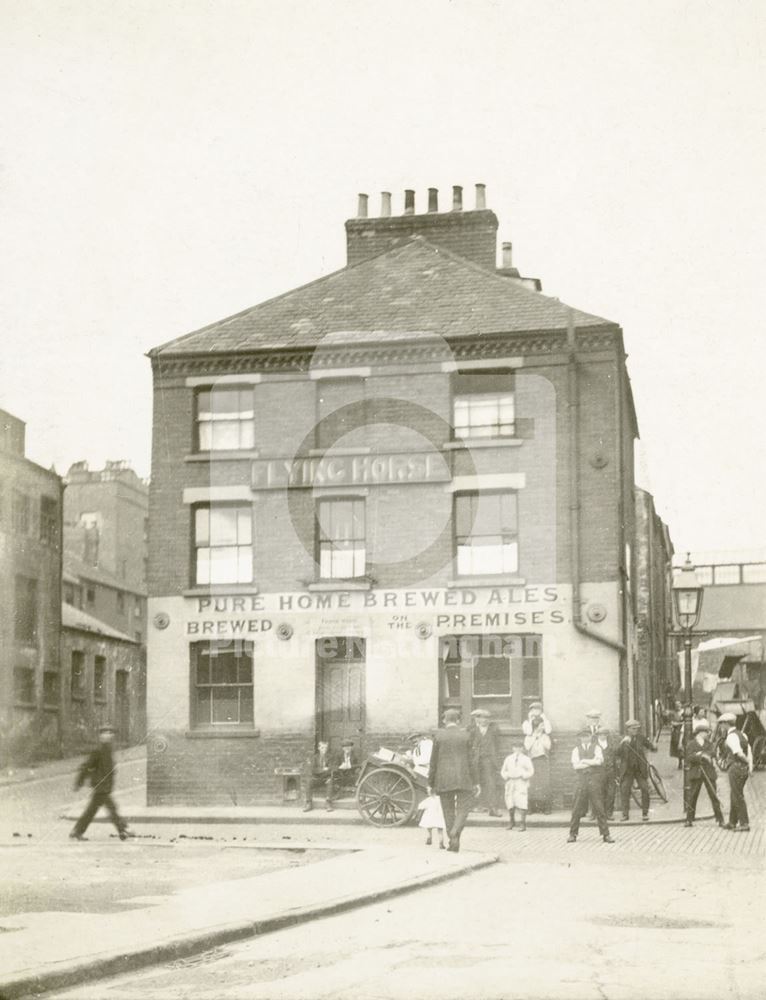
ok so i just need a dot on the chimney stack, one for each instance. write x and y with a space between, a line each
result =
507 255
467 233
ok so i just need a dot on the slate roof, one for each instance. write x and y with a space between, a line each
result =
416 288
83 622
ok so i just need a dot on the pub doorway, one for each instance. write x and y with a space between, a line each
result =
500 673
340 682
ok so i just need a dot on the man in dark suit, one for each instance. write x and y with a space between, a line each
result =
453 775
331 771
99 769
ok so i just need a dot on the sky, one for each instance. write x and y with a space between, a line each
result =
163 165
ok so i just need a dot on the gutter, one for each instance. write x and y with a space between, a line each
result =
574 495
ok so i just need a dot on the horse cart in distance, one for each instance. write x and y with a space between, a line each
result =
392 783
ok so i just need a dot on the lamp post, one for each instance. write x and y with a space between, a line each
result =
687 599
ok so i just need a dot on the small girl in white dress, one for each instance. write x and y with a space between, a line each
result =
432 818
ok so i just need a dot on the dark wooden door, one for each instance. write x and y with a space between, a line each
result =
340 664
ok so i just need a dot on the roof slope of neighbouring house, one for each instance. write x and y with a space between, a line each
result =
414 288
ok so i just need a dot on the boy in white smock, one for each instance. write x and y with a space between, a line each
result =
516 772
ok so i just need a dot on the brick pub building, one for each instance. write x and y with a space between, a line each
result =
404 486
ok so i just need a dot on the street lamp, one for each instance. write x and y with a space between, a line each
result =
687 598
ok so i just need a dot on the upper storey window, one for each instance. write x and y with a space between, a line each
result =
225 418
223 541
484 404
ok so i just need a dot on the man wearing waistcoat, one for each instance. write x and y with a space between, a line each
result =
699 760
587 762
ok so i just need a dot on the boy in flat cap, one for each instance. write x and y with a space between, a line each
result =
99 769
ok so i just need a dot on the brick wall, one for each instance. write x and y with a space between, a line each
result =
471 234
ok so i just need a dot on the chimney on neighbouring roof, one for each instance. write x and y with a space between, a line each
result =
361 212
508 255
471 234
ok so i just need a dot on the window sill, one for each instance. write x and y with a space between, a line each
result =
246 454
498 442
330 585
222 734
332 450
501 580
220 588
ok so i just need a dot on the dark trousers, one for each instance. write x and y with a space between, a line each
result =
695 784
97 800
609 790
589 792
455 805
318 780
738 775
488 775
626 783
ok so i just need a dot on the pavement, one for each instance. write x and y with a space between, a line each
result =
53 949
346 813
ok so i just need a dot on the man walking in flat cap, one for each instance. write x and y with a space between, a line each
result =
99 769
453 775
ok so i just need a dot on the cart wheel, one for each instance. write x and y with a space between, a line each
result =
386 796
759 753
657 783
722 758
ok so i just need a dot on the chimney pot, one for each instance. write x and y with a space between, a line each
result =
457 198
362 209
433 199
481 196
385 203
409 202
507 255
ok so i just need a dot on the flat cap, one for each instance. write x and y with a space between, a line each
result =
480 713
727 717
593 713
701 725
347 742
106 729
632 724
536 704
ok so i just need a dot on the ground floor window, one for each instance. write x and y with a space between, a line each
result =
499 672
221 684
